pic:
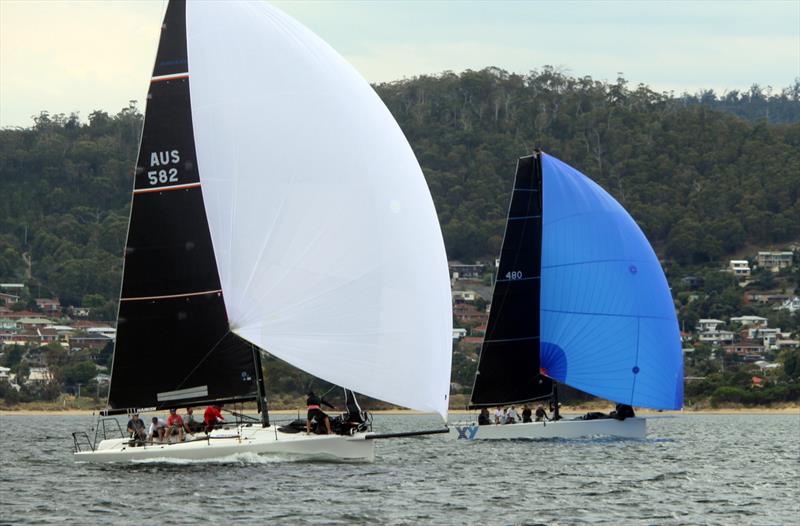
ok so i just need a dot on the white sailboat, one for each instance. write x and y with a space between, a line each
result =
276 206
580 299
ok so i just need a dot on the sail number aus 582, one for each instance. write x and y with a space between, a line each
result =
163 176
166 174
514 274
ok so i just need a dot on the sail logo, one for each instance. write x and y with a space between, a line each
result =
466 432
165 175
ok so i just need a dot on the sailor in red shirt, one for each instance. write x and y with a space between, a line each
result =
174 424
212 417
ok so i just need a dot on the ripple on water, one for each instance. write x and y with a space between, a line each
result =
699 469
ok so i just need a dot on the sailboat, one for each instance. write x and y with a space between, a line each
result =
580 299
276 207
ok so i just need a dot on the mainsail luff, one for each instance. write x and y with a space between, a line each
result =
508 370
173 344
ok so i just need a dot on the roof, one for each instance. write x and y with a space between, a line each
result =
35 321
59 327
85 324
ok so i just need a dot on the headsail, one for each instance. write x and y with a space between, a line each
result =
608 323
173 341
508 371
326 238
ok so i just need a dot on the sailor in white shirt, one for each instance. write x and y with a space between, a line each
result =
511 416
158 427
499 417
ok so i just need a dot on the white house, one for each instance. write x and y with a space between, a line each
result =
716 337
750 321
708 324
460 296
739 267
39 374
768 336
775 261
459 333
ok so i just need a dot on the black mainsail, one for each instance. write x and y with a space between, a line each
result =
508 370
174 346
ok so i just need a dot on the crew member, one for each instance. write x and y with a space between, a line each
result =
136 428
212 418
313 403
175 425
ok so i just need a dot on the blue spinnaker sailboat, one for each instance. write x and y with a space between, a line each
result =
580 299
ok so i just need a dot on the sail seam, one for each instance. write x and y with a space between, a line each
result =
523 217
635 363
166 188
609 314
588 262
172 76
512 339
170 296
517 279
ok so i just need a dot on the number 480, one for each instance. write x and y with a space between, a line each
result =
514 274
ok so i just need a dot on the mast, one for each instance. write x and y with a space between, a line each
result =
262 390
508 370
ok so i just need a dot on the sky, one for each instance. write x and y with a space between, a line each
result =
67 56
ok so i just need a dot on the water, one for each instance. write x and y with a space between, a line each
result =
697 469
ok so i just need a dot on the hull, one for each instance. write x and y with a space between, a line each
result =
628 428
225 443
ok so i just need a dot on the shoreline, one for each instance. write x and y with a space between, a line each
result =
790 410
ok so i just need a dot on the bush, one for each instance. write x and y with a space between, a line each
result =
727 394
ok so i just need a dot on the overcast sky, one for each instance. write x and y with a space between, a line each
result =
65 56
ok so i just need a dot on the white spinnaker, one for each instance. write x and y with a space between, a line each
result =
327 241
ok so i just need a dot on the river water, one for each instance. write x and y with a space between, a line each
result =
694 469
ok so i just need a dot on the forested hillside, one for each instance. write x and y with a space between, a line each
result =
701 182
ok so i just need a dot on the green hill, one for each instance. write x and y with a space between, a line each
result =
701 182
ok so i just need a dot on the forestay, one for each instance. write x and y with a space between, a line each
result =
608 323
325 235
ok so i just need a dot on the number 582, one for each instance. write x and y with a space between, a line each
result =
163 176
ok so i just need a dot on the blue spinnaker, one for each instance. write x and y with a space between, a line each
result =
608 324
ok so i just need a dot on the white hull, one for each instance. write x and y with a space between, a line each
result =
228 442
628 428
